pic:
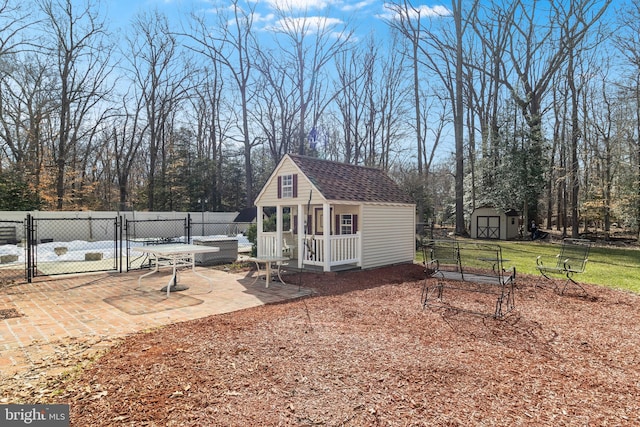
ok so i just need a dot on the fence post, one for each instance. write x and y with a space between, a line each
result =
188 228
28 249
118 234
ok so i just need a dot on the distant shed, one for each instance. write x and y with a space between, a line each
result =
496 224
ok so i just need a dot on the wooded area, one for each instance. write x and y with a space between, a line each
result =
526 105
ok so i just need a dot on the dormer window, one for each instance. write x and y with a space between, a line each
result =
287 186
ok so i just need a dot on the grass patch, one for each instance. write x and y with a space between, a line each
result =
616 268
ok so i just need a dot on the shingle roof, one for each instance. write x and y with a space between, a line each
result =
341 181
246 215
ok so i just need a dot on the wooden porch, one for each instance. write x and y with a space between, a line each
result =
314 253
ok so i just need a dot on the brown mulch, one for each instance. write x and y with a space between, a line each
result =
9 313
362 352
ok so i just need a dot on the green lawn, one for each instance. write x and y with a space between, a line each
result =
612 267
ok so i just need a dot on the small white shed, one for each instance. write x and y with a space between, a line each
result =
492 223
333 216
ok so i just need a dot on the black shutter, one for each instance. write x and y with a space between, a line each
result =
295 185
279 187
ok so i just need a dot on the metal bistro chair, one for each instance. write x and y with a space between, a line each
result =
571 260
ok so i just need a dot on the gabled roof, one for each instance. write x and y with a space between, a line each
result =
246 215
341 181
507 212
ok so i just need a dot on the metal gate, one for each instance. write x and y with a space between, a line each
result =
152 232
89 245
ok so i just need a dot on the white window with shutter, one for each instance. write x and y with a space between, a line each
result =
287 186
346 224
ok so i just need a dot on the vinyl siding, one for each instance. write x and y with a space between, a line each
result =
269 194
388 235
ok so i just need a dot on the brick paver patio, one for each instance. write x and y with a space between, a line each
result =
101 307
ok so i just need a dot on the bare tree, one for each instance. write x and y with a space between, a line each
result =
128 136
441 52
628 42
557 171
308 44
458 115
388 102
232 45
276 107
160 75
14 20
577 48
371 98
407 20
79 44
26 108
609 127
355 73
487 109
538 49
211 130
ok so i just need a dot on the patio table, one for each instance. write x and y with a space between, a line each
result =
174 256
267 260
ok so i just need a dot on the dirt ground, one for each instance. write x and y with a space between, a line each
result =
363 352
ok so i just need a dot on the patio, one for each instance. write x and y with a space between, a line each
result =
92 312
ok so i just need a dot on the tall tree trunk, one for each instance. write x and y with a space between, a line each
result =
575 136
459 120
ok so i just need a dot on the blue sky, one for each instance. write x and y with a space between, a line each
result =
364 15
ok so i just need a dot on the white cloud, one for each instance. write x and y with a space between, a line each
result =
258 18
301 4
309 24
423 11
358 5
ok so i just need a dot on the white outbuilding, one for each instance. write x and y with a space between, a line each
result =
333 216
492 223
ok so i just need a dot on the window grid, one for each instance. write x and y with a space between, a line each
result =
346 224
287 186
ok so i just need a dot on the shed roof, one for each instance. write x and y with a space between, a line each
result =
342 181
246 215
507 212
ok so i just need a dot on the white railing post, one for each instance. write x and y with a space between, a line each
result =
279 234
302 232
359 249
326 235
260 227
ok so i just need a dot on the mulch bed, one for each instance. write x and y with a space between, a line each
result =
9 313
362 351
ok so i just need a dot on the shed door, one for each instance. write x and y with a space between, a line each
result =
488 227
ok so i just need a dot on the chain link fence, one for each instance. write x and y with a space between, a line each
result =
39 247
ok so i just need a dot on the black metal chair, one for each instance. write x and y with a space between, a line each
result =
571 260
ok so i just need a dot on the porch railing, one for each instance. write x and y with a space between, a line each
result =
344 249
267 244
